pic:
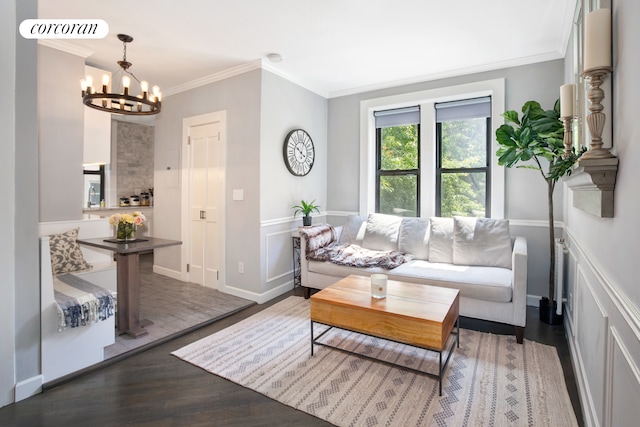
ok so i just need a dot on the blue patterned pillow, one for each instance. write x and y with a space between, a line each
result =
66 255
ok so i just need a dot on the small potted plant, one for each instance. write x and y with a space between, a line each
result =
305 208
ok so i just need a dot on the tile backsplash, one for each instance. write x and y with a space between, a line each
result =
134 154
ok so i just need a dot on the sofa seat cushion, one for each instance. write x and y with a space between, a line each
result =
331 269
485 283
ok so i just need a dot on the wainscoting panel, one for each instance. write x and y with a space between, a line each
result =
604 340
570 290
623 407
591 340
279 255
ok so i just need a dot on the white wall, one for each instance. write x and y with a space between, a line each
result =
603 319
525 190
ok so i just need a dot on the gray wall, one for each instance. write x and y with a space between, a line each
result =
602 316
612 243
20 304
286 106
61 127
525 190
261 108
240 97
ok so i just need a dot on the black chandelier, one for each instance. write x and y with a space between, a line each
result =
122 103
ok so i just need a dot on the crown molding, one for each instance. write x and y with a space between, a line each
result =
216 77
66 47
550 56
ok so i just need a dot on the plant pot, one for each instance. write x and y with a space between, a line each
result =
548 312
306 221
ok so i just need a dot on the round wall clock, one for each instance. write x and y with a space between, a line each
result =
298 152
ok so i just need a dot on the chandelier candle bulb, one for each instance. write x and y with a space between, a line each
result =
378 285
567 96
597 45
144 87
105 82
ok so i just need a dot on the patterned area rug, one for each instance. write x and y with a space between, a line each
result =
490 380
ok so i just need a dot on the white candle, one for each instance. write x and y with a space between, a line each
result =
567 96
378 285
597 39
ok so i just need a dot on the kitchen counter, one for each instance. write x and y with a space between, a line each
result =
102 212
147 211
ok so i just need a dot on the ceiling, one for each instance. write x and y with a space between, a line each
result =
332 47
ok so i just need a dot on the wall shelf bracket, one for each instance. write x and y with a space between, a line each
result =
593 183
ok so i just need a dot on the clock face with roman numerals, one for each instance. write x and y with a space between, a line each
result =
298 152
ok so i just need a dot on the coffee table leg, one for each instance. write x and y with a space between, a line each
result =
458 328
312 337
441 372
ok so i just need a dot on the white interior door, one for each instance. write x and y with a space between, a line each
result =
205 203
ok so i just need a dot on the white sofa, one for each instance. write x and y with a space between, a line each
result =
73 349
476 256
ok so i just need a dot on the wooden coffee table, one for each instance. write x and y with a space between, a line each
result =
418 315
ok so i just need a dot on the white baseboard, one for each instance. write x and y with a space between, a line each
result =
259 298
177 275
533 300
29 387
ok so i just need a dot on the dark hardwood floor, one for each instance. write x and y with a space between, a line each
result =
153 388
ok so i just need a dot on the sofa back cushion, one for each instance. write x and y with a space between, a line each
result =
481 241
413 237
353 230
381 233
441 239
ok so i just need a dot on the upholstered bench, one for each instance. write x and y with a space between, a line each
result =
66 349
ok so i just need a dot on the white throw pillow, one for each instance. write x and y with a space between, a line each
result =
381 233
353 230
414 237
441 239
481 241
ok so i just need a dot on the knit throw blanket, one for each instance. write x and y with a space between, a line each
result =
322 246
80 302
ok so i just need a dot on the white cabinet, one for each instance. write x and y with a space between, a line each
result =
97 126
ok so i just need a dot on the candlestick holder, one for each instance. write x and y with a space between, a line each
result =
596 118
568 136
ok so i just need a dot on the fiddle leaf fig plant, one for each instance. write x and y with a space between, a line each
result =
535 141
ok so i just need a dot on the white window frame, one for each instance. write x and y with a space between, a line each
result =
426 99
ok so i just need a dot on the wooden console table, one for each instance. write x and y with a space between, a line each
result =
128 266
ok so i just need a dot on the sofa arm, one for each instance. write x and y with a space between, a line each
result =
519 280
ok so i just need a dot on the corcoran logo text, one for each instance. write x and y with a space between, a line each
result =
64 29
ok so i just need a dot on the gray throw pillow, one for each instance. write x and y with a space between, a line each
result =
66 255
381 233
481 241
414 237
353 230
441 239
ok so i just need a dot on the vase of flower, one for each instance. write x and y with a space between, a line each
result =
125 225
125 231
